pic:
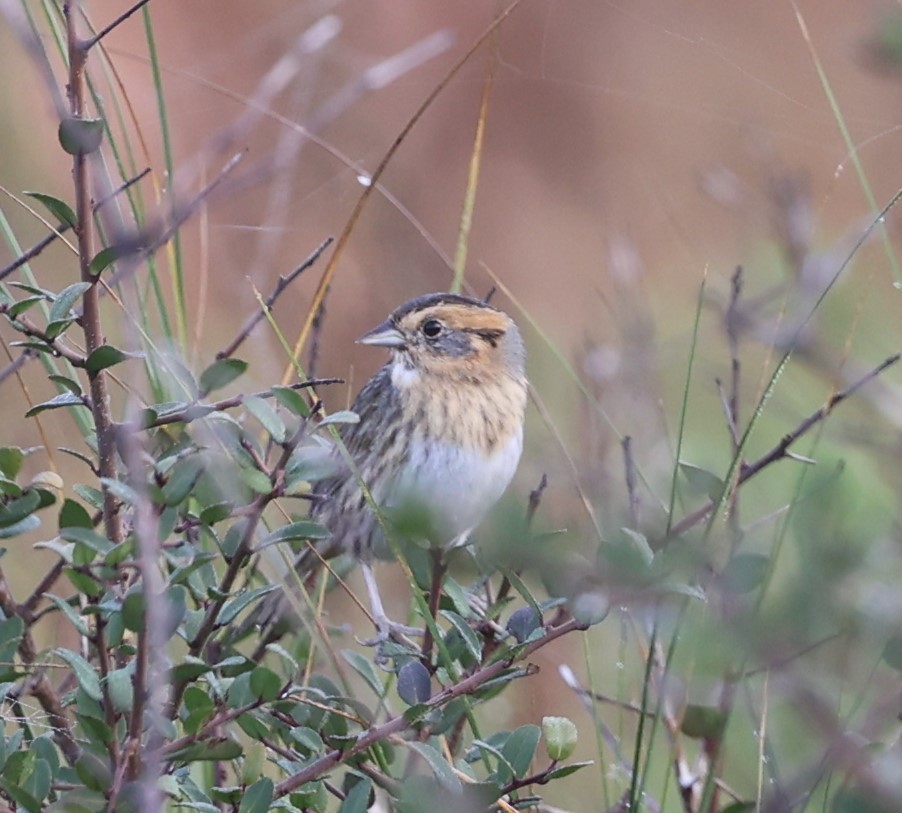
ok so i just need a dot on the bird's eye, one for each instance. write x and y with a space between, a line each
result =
431 328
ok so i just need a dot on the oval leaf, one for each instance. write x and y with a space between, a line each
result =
62 304
64 399
414 683
104 258
61 210
84 672
442 770
80 136
220 374
104 356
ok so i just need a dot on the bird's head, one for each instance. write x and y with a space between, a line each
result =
454 337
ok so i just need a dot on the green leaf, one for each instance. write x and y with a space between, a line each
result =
745 572
9 488
64 399
265 684
520 748
83 582
458 597
208 750
308 739
122 491
181 480
61 210
470 638
343 416
24 526
566 770
523 622
104 258
443 772
20 508
258 797
269 419
703 722
220 374
357 799
254 759
414 683
590 607
79 136
303 529
63 302
82 800
292 400
11 458
89 537
11 630
200 708
74 515
121 690
84 672
862 800
75 618
216 513
67 383
364 667
104 356
256 480
18 308
232 608
560 735
702 481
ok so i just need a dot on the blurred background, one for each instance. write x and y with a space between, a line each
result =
635 154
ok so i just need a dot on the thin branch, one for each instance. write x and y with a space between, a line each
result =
193 412
781 450
39 685
11 369
387 71
26 326
62 228
87 45
91 323
27 607
144 242
261 312
397 724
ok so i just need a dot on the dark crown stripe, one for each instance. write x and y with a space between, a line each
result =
431 300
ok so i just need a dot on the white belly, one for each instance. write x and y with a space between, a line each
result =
453 488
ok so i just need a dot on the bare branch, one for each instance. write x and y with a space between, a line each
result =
781 449
281 286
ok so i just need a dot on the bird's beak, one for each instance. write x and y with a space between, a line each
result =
386 335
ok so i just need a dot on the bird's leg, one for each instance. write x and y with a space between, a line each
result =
385 627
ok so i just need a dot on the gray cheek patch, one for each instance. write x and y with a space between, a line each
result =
452 343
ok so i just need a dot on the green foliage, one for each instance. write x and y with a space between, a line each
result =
175 672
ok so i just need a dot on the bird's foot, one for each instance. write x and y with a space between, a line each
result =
388 630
